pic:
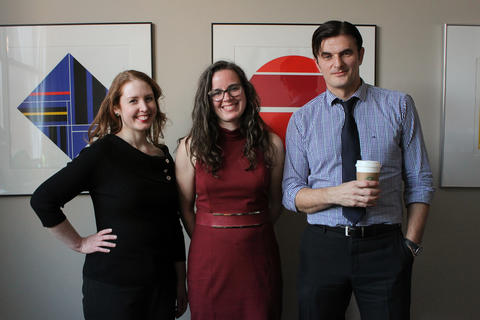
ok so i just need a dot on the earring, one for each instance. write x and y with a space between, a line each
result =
117 115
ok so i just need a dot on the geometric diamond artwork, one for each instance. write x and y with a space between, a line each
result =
64 104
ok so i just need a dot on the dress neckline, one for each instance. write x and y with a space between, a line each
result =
231 134
135 150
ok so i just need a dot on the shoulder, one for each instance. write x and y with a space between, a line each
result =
308 116
183 150
276 141
97 147
310 107
388 94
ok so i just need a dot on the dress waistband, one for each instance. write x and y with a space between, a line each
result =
224 220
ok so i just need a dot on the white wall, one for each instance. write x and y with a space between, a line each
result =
41 280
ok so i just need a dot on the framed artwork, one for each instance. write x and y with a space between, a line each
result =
278 61
53 79
461 107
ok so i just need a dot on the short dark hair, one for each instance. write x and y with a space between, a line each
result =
334 28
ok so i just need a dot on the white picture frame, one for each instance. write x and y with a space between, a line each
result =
460 161
29 54
254 46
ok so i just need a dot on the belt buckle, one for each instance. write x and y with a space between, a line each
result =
349 228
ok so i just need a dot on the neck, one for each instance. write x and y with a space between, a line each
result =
231 126
135 139
345 93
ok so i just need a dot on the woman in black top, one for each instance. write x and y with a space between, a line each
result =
135 264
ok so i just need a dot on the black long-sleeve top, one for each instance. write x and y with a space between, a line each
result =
134 194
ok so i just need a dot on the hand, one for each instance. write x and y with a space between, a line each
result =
357 193
182 300
96 242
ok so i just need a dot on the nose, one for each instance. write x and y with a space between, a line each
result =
227 96
143 105
338 62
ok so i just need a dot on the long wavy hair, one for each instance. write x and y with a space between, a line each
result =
205 132
106 121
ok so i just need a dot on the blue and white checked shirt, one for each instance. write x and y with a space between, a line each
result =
389 131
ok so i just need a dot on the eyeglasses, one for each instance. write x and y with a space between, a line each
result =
233 91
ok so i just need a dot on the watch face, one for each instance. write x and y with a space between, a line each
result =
418 250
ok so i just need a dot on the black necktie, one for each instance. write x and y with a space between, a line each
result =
350 155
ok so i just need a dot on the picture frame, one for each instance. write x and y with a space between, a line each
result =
53 79
460 160
278 61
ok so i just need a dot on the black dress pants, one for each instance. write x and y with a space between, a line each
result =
103 301
376 269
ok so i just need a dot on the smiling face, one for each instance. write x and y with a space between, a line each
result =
137 107
230 109
339 61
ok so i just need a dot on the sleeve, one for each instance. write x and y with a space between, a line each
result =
178 238
296 170
417 174
63 186
179 250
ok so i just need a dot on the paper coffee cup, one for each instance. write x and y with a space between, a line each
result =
368 170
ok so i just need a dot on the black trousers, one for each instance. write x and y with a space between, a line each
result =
103 301
376 269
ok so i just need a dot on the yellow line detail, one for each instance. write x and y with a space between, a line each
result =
63 113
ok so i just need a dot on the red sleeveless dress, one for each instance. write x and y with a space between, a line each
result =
233 263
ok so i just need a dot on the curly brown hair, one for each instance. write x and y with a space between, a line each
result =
106 122
204 135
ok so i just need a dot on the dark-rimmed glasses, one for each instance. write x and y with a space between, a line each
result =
233 90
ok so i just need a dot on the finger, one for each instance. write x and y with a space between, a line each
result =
104 231
109 237
100 249
107 244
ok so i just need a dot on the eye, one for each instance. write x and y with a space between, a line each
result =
132 101
326 56
149 98
215 93
347 53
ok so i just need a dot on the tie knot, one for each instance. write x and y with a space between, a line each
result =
349 104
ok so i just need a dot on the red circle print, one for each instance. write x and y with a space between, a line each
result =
285 84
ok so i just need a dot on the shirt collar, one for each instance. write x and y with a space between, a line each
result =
361 94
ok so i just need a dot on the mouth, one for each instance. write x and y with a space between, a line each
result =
229 107
143 117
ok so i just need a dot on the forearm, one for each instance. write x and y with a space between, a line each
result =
188 219
180 270
275 210
417 214
349 194
65 232
310 200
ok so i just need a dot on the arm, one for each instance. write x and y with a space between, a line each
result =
63 186
416 174
276 174
182 300
185 173
348 194
417 214
93 243
299 196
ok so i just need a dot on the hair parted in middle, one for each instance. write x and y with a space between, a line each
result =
205 132
106 121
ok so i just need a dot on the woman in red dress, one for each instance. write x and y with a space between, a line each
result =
230 169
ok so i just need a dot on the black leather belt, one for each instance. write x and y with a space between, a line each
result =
360 231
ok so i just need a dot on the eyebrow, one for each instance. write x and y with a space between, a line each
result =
348 50
233 84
